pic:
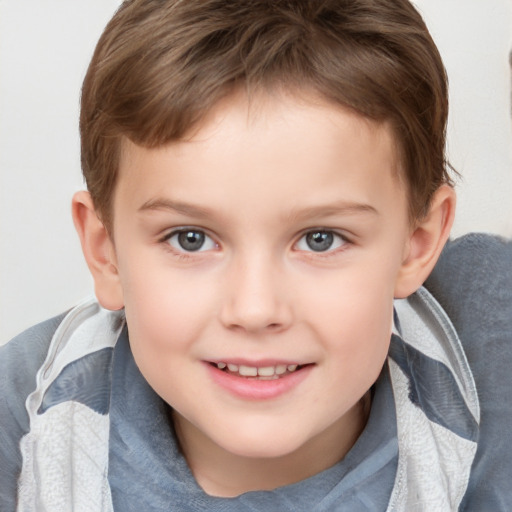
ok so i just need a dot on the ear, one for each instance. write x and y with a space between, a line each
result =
426 242
98 250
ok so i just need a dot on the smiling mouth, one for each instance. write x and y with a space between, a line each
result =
259 373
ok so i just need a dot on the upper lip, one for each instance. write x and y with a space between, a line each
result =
260 363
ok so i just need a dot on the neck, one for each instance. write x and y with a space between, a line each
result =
225 474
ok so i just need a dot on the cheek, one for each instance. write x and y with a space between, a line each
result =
353 315
165 310
163 323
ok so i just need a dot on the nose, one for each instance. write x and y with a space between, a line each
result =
256 298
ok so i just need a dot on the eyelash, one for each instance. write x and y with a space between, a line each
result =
182 253
343 243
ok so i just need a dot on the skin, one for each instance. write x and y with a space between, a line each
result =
256 179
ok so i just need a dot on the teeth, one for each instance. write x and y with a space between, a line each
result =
280 369
247 371
265 372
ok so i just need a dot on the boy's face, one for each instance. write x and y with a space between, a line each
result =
270 240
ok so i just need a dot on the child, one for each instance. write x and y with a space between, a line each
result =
264 179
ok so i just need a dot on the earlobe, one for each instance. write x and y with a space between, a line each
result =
426 242
98 250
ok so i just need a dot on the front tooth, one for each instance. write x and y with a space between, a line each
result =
221 366
248 371
292 367
232 367
280 369
266 371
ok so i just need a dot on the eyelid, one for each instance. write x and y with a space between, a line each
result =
183 229
344 239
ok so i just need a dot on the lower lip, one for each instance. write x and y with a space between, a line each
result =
254 389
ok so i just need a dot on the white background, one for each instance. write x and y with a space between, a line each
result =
45 46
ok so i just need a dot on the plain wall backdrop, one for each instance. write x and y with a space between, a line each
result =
45 46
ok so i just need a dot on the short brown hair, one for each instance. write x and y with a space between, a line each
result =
161 65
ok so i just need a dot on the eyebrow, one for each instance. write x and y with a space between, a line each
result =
176 206
330 210
313 212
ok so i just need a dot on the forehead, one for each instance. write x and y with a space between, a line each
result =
269 144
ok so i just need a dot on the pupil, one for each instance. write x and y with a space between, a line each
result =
191 240
319 240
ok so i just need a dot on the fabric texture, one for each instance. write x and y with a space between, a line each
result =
80 428
473 283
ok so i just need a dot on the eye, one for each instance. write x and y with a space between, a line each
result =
320 241
190 240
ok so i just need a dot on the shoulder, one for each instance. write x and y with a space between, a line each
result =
20 360
473 263
473 283
55 377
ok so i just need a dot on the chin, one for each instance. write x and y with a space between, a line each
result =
262 444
